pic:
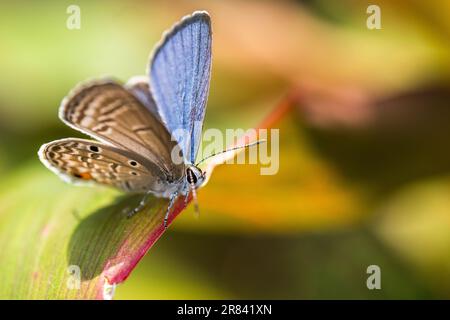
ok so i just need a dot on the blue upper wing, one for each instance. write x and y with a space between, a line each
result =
180 73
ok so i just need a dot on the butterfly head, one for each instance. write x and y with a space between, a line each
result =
194 176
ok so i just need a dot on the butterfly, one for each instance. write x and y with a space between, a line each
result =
134 123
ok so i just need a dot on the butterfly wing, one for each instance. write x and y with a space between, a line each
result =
80 160
180 73
138 85
109 112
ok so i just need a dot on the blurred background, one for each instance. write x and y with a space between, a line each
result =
364 173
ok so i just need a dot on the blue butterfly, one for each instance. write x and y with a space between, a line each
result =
149 129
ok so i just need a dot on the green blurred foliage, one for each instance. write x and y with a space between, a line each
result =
364 153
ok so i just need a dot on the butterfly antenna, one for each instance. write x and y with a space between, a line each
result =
255 143
194 194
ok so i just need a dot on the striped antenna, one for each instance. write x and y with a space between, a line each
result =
255 143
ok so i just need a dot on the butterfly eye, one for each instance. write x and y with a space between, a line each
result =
191 178
94 148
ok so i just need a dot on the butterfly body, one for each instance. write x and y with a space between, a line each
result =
136 149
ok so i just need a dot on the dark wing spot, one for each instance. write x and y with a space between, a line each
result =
134 173
51 155
94 148
133 163
56 148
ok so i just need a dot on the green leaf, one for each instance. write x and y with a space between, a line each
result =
49 229
66 242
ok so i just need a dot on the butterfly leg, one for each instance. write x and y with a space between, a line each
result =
172 200
140 206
